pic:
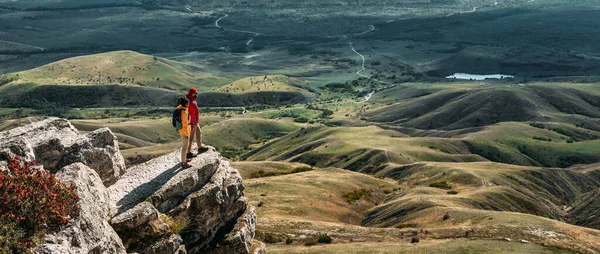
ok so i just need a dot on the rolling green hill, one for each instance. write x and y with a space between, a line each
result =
121 67
457 108
277 83
302 206
127 78
368 149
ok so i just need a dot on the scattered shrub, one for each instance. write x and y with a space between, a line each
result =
446 216
260 203
356 195
405 225
301 120
415 239
177 225
325 238
440 185
301 169
262 173
32 201
326 113
452 192
311 242
289 241
542 139
270 238
537 125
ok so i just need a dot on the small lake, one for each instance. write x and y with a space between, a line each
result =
478 77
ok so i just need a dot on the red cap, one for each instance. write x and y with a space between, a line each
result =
189 94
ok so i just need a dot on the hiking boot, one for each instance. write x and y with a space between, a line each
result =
189 155
202 149
186 165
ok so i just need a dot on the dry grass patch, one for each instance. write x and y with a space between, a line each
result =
315 195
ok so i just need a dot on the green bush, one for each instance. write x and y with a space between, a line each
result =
441 185
325 238
542 139
537 125
301 169
301 120
452 192
356 195
405 225
262 173
311 242
289 241
270 238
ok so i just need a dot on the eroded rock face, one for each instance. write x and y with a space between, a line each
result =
239 240
90 232
208 198
56 143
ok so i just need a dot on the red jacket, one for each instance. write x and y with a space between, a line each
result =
194 113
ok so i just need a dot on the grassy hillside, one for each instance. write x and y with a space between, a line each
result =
261 83
121 67
127 78
456 108
235 136
146 138
361 149
316 195
302 206
584 211
430 246
486 186
366 149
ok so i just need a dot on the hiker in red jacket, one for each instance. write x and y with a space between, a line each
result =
194 122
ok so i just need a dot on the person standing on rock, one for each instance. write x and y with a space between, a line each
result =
184 131
192 95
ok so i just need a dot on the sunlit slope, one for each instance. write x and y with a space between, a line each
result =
358 148
121 67
486 186
316 195
262 83
130 79
303 205
146 138
456 108
368 149
234 136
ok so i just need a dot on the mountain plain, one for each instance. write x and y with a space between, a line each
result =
338 114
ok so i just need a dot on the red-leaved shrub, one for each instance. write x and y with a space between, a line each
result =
32 201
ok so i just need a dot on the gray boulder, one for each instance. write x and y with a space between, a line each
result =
56 143
98 150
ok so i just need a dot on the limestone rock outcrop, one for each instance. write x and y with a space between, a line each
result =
90 232
56 143
153 207
203 203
